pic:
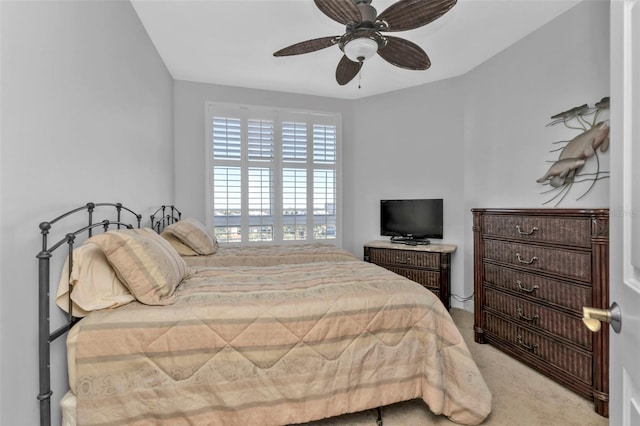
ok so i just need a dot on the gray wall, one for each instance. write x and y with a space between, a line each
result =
409 144
508 103
87 115
480 140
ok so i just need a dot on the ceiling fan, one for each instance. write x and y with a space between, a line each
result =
363 37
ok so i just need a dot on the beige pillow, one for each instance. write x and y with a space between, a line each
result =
194 235
181 248
145 262
95 284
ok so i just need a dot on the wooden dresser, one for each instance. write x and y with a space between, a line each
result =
429 265
534 270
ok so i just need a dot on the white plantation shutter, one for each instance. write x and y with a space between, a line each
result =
227 191
324 181
274 174
294 204
294 142
260 135
260 204
324 204
226 138
324 144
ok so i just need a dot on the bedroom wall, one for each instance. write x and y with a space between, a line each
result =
408 144
87 115
508 103
190 99
479 140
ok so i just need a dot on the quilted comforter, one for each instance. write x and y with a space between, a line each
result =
274 345
270 255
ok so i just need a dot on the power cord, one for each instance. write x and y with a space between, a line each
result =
461 298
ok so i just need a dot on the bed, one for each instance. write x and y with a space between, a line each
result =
183 236
276 344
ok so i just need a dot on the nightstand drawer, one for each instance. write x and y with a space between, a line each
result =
418 259
566 231
566 263
542 289
429 279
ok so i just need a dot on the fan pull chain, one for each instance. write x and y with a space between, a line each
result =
360 74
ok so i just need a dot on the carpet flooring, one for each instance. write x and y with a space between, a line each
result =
521 396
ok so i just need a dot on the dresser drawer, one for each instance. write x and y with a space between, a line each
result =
565 231
566 358
419 259
430 279
567 263
542 289
539 317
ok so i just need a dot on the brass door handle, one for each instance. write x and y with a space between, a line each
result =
592 317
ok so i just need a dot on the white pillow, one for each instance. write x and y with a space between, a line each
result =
94 283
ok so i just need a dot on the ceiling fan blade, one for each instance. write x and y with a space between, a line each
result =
404 54
343 11
347 70
307 46
409 14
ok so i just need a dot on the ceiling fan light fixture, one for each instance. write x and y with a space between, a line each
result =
363 37
360 49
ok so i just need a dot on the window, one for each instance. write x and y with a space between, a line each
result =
272 174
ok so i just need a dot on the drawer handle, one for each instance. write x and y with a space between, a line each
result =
526 290
521 232
522 316
524 345
526 262
403 261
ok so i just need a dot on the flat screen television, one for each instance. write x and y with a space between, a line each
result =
412 221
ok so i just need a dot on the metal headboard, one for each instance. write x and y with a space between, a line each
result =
168 215
46 336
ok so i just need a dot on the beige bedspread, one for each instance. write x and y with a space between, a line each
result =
274 345
270 255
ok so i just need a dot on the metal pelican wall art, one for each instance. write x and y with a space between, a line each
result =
575 153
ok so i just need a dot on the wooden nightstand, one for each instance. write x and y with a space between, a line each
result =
428 265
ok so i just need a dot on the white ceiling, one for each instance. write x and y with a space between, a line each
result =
231 42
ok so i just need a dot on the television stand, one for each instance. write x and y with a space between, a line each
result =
428 265
410 241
